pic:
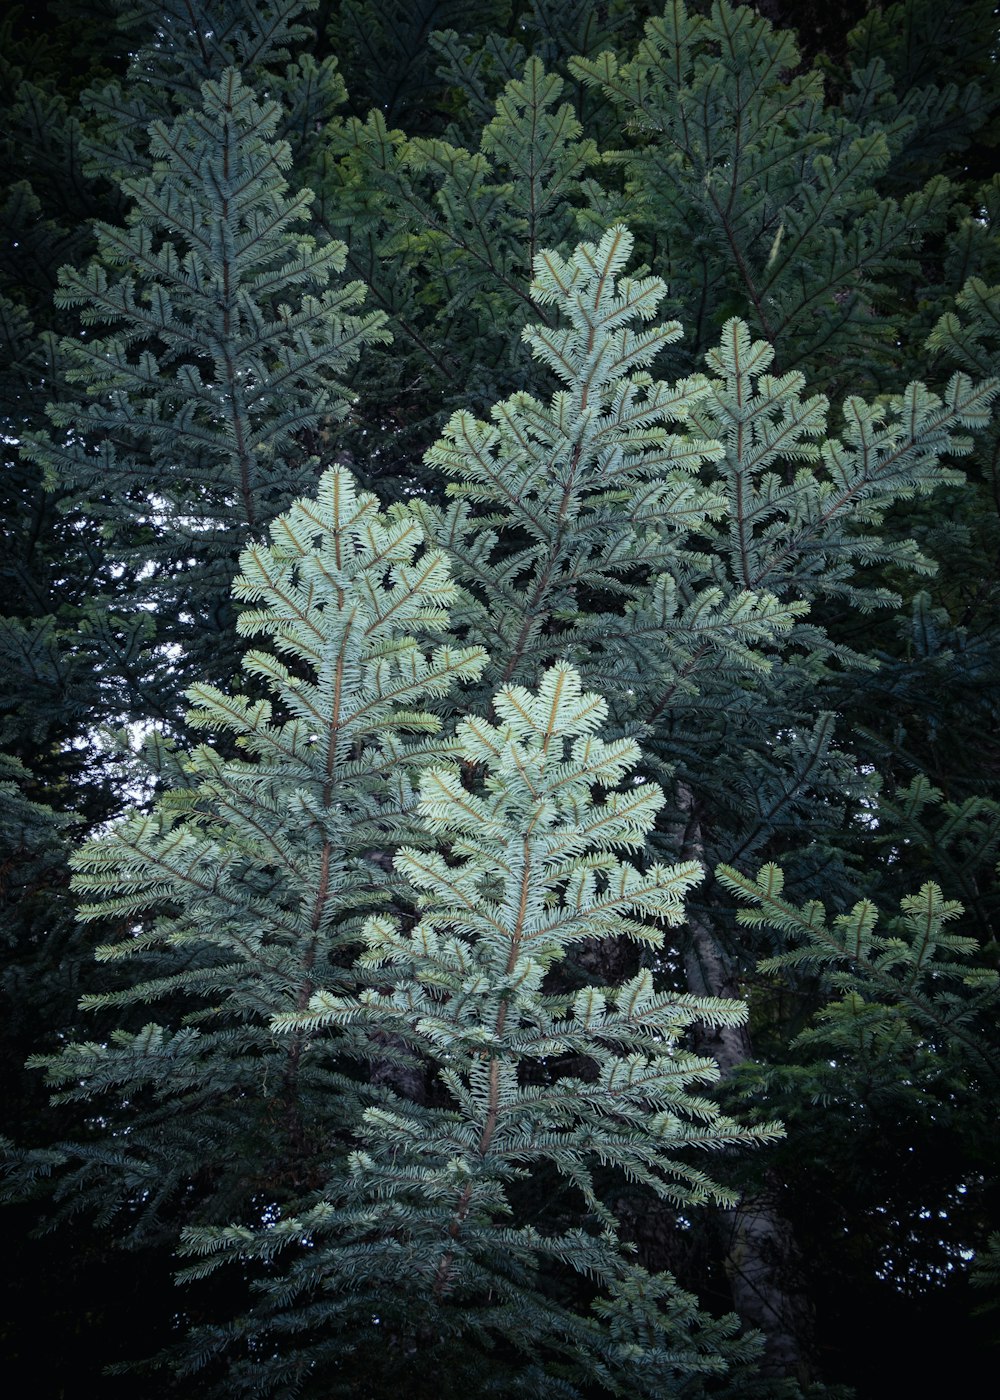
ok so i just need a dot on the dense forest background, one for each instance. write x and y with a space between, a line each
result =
609 349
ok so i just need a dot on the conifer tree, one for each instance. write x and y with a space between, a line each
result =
869 276
259 878
697 638
748 179
210 451
789 603
328 776
178 46
901 1055
444 237
101 615
51 562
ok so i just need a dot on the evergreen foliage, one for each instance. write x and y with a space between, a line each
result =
445 237
432 1205
256 866
750 182
745 528
51 563
676 568
214 412
176 47
260 870
900 970
391 55
900 1046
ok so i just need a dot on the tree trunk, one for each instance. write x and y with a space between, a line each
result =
763 1263
767 1283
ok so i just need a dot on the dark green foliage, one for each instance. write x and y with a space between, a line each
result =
445 238
889 1088
51 564
220 344
747 528
760 197
390 53
175 48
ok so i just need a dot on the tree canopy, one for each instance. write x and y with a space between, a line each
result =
498 744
